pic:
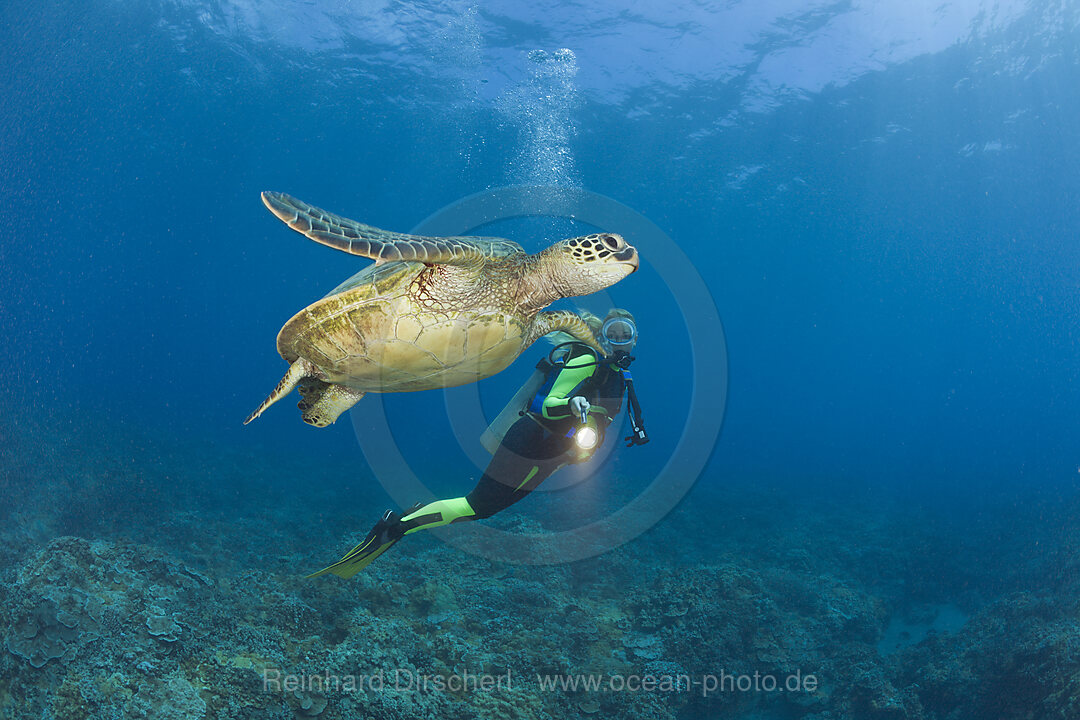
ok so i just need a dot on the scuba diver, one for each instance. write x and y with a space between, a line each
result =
558 417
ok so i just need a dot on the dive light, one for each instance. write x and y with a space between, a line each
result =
586 436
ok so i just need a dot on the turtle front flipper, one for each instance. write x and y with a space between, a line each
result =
322 402
565 321
297 371
371 242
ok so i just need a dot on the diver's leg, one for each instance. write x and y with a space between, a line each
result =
527 456
392 527
437 514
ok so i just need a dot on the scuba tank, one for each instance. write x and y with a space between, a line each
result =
492 437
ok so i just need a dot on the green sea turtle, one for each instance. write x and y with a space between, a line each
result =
431 312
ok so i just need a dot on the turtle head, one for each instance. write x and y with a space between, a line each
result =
590 263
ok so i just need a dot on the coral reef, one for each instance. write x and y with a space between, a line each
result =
825 613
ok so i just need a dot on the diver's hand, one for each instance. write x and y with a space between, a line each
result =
579 406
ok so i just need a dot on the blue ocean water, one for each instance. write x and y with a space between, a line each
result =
882 200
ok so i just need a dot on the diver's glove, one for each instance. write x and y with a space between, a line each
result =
579 406
640 437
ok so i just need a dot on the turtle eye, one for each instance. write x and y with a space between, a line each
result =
611 241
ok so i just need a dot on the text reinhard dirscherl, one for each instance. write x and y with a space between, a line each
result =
401 680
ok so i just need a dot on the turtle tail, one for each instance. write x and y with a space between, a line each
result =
297 372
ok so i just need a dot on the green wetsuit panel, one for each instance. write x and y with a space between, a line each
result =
438 513
576 371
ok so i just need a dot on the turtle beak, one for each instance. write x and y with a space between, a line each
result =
629 256
621 250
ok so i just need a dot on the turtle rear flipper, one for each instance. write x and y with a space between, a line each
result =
297 372
381 246
322 402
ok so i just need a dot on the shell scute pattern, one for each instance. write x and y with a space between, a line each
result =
445 340
408 327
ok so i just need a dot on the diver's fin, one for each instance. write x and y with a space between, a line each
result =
355 561
297 372
385 533
322 402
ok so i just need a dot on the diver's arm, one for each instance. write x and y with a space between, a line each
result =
569 379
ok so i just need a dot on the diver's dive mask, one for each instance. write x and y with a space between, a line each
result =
619 332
